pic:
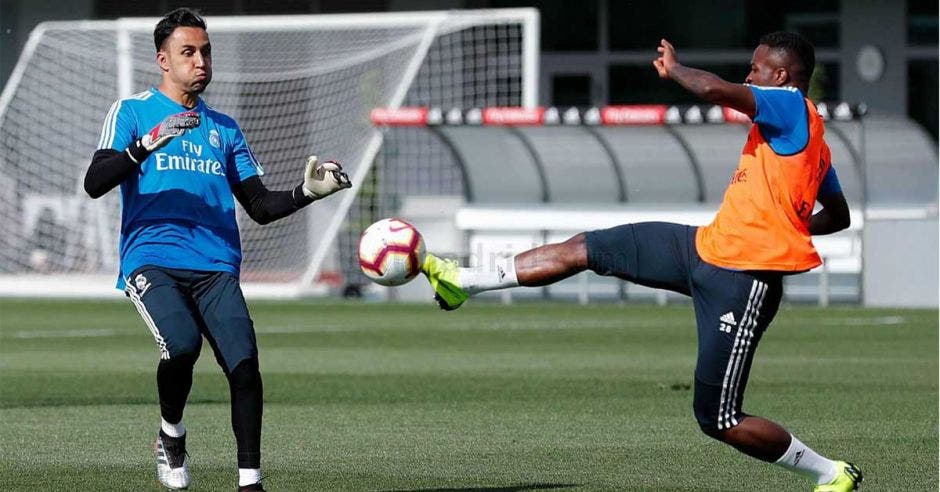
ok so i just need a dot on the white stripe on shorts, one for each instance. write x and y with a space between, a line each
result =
739 353
148 320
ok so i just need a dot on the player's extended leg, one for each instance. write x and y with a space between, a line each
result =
732 311
550 263
539 266
649 253
231 334
167 312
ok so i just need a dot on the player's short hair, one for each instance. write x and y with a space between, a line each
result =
797 47
181 17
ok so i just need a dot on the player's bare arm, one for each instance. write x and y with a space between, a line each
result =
705 85
833 217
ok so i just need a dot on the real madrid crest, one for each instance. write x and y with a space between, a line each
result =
214 138
142 283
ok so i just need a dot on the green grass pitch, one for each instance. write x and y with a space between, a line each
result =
538 396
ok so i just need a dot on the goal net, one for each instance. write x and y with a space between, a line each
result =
297 85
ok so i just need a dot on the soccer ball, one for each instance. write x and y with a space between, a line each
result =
391 252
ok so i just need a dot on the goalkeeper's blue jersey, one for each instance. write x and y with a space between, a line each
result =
178 210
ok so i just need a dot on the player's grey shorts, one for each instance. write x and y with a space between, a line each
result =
181 306
732 308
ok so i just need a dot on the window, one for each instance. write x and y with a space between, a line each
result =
818 20
640 25
922 94
922 23
634 84
571 90
565 25
722 24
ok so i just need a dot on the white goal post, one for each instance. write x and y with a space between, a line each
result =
297 85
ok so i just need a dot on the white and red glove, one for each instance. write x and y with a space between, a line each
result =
171 126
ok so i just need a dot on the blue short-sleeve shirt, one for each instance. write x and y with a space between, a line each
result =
781 115
178 210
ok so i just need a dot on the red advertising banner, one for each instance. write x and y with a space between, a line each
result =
405 116
639 114
513 116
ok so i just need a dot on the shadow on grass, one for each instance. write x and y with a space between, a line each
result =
511 488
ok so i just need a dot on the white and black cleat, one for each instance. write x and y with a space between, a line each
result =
172 461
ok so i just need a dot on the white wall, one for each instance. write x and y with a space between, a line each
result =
901 263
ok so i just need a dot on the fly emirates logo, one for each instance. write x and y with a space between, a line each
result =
169 162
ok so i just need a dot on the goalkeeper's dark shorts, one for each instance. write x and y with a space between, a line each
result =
732 308
180 307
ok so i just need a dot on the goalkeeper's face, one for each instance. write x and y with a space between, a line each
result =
186 59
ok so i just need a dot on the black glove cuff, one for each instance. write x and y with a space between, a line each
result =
137 152
300 198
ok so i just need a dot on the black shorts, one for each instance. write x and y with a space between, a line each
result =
732 308
181 306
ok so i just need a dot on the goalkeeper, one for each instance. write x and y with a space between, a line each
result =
179 163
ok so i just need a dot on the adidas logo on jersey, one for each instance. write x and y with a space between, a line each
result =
727 322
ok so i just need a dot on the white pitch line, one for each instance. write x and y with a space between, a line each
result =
585 324
78 333
880 321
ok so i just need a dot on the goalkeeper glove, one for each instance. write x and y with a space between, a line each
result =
322 180
171 126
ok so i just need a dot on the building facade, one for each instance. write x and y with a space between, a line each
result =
595 52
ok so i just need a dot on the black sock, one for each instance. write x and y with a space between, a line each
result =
246 390
174 380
